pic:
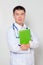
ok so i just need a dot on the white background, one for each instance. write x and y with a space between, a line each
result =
34 19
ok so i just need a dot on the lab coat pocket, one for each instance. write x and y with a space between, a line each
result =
28 59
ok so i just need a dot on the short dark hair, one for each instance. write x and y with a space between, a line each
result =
18 8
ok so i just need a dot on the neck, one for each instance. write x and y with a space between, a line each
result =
20 24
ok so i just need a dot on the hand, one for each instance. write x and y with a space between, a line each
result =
25 46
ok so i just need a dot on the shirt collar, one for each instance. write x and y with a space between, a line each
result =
19 26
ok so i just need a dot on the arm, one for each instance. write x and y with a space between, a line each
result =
34 43
12 41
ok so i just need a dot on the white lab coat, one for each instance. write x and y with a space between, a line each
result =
17 56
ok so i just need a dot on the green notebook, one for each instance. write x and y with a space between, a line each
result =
25 36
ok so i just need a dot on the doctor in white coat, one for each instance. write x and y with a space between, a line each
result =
20 54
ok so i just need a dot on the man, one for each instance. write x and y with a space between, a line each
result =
20 54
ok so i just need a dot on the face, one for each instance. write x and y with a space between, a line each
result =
19 16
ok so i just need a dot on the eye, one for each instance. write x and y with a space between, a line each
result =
17 14
22 14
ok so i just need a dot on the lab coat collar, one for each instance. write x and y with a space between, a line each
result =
19 26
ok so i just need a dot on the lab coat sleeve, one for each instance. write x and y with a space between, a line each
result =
34 43
12 41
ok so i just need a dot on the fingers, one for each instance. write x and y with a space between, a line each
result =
25 46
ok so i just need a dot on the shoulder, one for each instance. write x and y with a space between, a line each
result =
10 29
25 26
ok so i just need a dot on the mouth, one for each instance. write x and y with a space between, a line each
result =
19 19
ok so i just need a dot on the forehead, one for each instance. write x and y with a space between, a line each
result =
19 11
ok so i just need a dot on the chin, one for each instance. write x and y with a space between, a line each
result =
20 23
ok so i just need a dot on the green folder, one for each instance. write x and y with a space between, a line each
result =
25 36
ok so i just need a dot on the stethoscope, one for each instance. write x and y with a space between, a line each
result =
16 33
15 28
